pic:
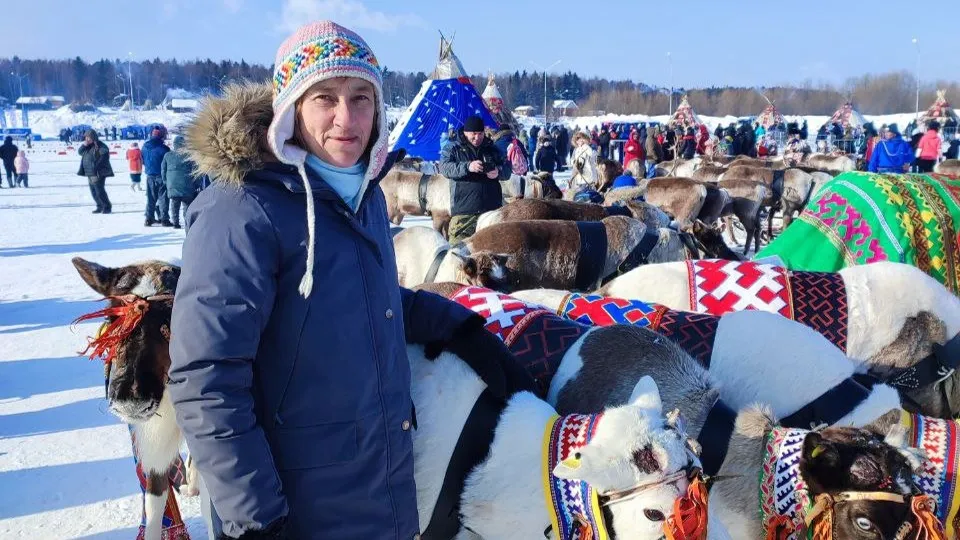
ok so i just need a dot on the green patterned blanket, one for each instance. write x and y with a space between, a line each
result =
860 218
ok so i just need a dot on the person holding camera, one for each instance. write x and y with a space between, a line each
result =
475 167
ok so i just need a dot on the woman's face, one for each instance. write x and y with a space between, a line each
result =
335 119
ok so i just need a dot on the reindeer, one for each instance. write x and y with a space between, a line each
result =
522 254
948 166
134 343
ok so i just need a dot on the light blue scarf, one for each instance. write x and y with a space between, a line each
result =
346 181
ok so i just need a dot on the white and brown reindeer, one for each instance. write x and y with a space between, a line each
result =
639 463
412 193
134 343
522 254
703 241
898 322
948 166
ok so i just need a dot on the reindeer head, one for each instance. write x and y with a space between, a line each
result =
641 464
485 269
839 461
711 242
138 358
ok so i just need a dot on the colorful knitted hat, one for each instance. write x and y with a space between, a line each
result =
316 52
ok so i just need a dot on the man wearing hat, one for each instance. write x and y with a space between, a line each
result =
158 206
892 154
475 167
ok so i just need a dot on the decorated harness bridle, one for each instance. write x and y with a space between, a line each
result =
126 316
788 513
575 506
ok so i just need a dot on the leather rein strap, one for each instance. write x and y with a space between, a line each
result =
435 265
473 446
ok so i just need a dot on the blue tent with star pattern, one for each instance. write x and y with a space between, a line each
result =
445 100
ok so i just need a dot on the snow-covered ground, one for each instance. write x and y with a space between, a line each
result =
66 467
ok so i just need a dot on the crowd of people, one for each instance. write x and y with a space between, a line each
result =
887 150
132 132
172 183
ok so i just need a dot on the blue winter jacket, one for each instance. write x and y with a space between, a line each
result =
891 156
290 406
503 143
153 152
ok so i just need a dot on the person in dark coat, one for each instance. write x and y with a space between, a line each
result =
95 166
688 146
289 372
158 206
177 172
8 153
953 148
546 159
562 147
475 167
669 145
804 131
603 143
532 140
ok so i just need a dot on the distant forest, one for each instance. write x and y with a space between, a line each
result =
100 82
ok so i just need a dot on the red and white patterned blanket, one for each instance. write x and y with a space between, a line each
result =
815 299
719 287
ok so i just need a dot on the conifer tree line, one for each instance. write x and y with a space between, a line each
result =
99 82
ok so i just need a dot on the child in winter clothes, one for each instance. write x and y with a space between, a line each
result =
928 149
22 166
135 161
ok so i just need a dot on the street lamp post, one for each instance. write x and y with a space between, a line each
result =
130 77
670 61
917 43
20 79
545 69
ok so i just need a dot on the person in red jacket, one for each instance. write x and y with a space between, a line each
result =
702 137
872 138
928 150
633 150
135 162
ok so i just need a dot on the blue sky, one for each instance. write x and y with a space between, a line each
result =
712 42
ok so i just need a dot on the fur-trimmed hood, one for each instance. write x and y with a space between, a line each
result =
227 139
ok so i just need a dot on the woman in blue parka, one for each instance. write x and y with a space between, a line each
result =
289 372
